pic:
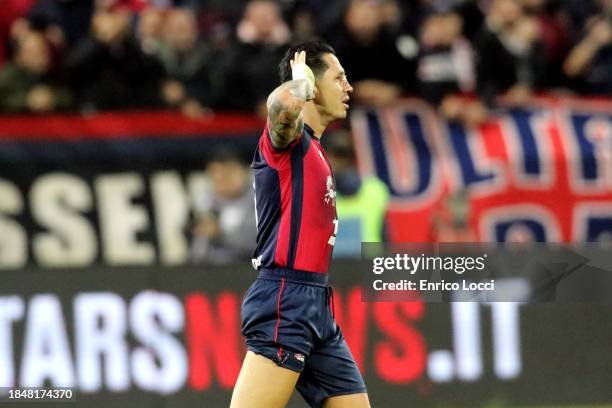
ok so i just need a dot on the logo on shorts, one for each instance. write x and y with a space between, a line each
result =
299 357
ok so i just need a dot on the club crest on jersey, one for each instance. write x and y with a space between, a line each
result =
330 196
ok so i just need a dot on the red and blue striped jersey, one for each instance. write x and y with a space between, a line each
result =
295 204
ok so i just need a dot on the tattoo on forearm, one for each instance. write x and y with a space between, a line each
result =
285 111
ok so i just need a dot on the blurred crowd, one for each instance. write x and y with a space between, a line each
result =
196 56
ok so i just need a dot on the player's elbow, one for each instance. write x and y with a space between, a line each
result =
280 140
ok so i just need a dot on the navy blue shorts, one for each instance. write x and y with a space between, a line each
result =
287 316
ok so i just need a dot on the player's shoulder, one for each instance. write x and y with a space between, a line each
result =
266 141
276 157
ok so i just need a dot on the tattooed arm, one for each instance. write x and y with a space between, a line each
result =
285 103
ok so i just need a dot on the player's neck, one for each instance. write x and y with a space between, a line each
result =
314 119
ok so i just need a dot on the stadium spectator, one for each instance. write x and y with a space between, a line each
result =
554 35
225 229
509 54
262 36
303 25
472 15
445 69
590 61
361 42
133 6
407 17
10 11
28 83
578 14
324 13
186 61
361 202
231 48
446 62
108 70
63 20
451 219
38 20
230 11
149 30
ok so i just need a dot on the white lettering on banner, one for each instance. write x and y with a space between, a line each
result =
587 138
46 351
592 222
60 203
519 223
472 168
56 201
401 152
518 161
528 140
121 220
11 310
408 140
171 203
422 142
598 132
13 238
100 330
160 365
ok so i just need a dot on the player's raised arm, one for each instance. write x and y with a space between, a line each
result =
286 102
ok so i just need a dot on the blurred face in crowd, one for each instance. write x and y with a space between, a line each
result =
606 5
181 30
453 24
110 26
264 15
440 30
34 54
506 11
332 90
150 23
364 19
228 178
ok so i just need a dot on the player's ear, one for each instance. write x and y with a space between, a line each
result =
316 90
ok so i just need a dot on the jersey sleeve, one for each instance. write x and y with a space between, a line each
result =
277 158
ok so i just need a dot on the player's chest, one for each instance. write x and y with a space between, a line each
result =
318 177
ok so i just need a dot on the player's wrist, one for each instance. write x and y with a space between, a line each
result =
303 71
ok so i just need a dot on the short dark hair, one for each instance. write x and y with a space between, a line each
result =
315 50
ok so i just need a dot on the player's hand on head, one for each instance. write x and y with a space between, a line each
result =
285 103
298 58
299 70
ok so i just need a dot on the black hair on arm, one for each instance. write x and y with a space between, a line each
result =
315 50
